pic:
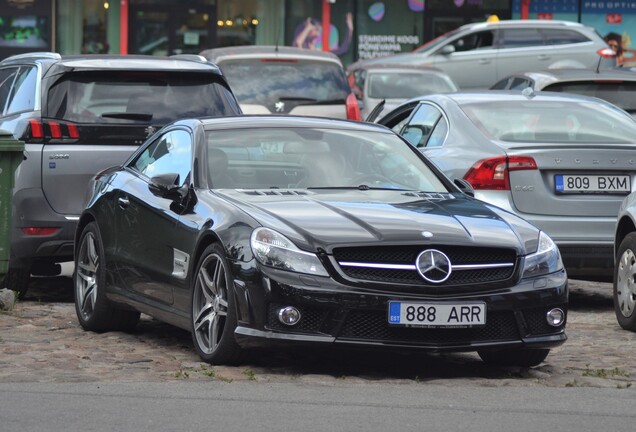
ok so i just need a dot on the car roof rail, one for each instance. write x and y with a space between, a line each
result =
35 55
191 57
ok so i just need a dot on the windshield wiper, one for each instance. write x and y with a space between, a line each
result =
128 116
363 187
311 101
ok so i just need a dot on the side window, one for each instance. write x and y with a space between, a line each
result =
23 95
439 134
502 85
474 41
170 153
419 129
520 37
561 37
7 76
520 83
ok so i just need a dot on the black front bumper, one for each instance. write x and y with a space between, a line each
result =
336 314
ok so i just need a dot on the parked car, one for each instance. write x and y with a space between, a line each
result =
272 230
479 54
617 86
563 162
394 84
286 80
77 116
625 264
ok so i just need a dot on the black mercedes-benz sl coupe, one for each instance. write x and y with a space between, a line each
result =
264 231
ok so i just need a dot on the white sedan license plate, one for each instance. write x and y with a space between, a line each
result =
437 314
616 184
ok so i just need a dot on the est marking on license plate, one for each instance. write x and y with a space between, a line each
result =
617 184
437 314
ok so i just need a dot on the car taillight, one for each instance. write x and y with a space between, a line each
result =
606 52
39 129
353 110
492 173
40 231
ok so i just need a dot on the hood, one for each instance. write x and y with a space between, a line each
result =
326 219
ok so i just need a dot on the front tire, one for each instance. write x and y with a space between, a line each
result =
213 309
94 311
523 357
625 283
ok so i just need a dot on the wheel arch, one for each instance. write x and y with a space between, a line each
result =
85 219
624 226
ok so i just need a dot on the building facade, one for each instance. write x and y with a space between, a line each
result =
358 28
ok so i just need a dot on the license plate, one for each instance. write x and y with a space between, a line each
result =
613 184
437 314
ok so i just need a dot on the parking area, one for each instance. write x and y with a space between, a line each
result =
41 341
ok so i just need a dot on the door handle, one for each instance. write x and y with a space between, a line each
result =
543 57
123 202
484 61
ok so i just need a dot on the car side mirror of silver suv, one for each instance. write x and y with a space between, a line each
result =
447 49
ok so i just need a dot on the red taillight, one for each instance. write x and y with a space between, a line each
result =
492 173
606 52
51 129
37 130
40 231
353 110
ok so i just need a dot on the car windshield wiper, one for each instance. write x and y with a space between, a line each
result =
128 115
360 187
311 101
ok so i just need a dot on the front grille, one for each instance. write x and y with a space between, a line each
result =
373 326
407 255
311 319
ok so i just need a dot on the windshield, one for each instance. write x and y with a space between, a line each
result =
126 97
551 121
621 94
266 158
399 85
263 81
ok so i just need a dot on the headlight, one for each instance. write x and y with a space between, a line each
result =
275 250
546 259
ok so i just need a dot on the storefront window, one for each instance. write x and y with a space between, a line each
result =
389 27
24 27
250 22
88 26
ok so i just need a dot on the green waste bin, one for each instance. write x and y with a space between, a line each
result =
11 154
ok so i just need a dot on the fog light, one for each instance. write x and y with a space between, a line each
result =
555 317
289 315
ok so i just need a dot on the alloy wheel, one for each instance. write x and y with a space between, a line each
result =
86 279
210 305
626 284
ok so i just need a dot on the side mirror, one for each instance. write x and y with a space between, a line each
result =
447 49
167 186
465 187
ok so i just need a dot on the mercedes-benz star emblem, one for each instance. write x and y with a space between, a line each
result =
434 266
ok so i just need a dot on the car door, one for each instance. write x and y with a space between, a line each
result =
149 238
470 59
521 49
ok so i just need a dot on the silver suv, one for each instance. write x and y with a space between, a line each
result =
79 115
478 55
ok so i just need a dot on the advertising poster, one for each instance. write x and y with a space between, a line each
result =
564 10
616 22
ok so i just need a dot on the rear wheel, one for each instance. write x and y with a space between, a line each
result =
94 311
625 283
17 279
515 356
213 309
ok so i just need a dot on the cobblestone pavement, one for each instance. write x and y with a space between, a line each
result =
41 341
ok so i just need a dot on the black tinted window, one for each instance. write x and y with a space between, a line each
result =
520 37
264 81
621 94
560 37
23 93
129 97
473 41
